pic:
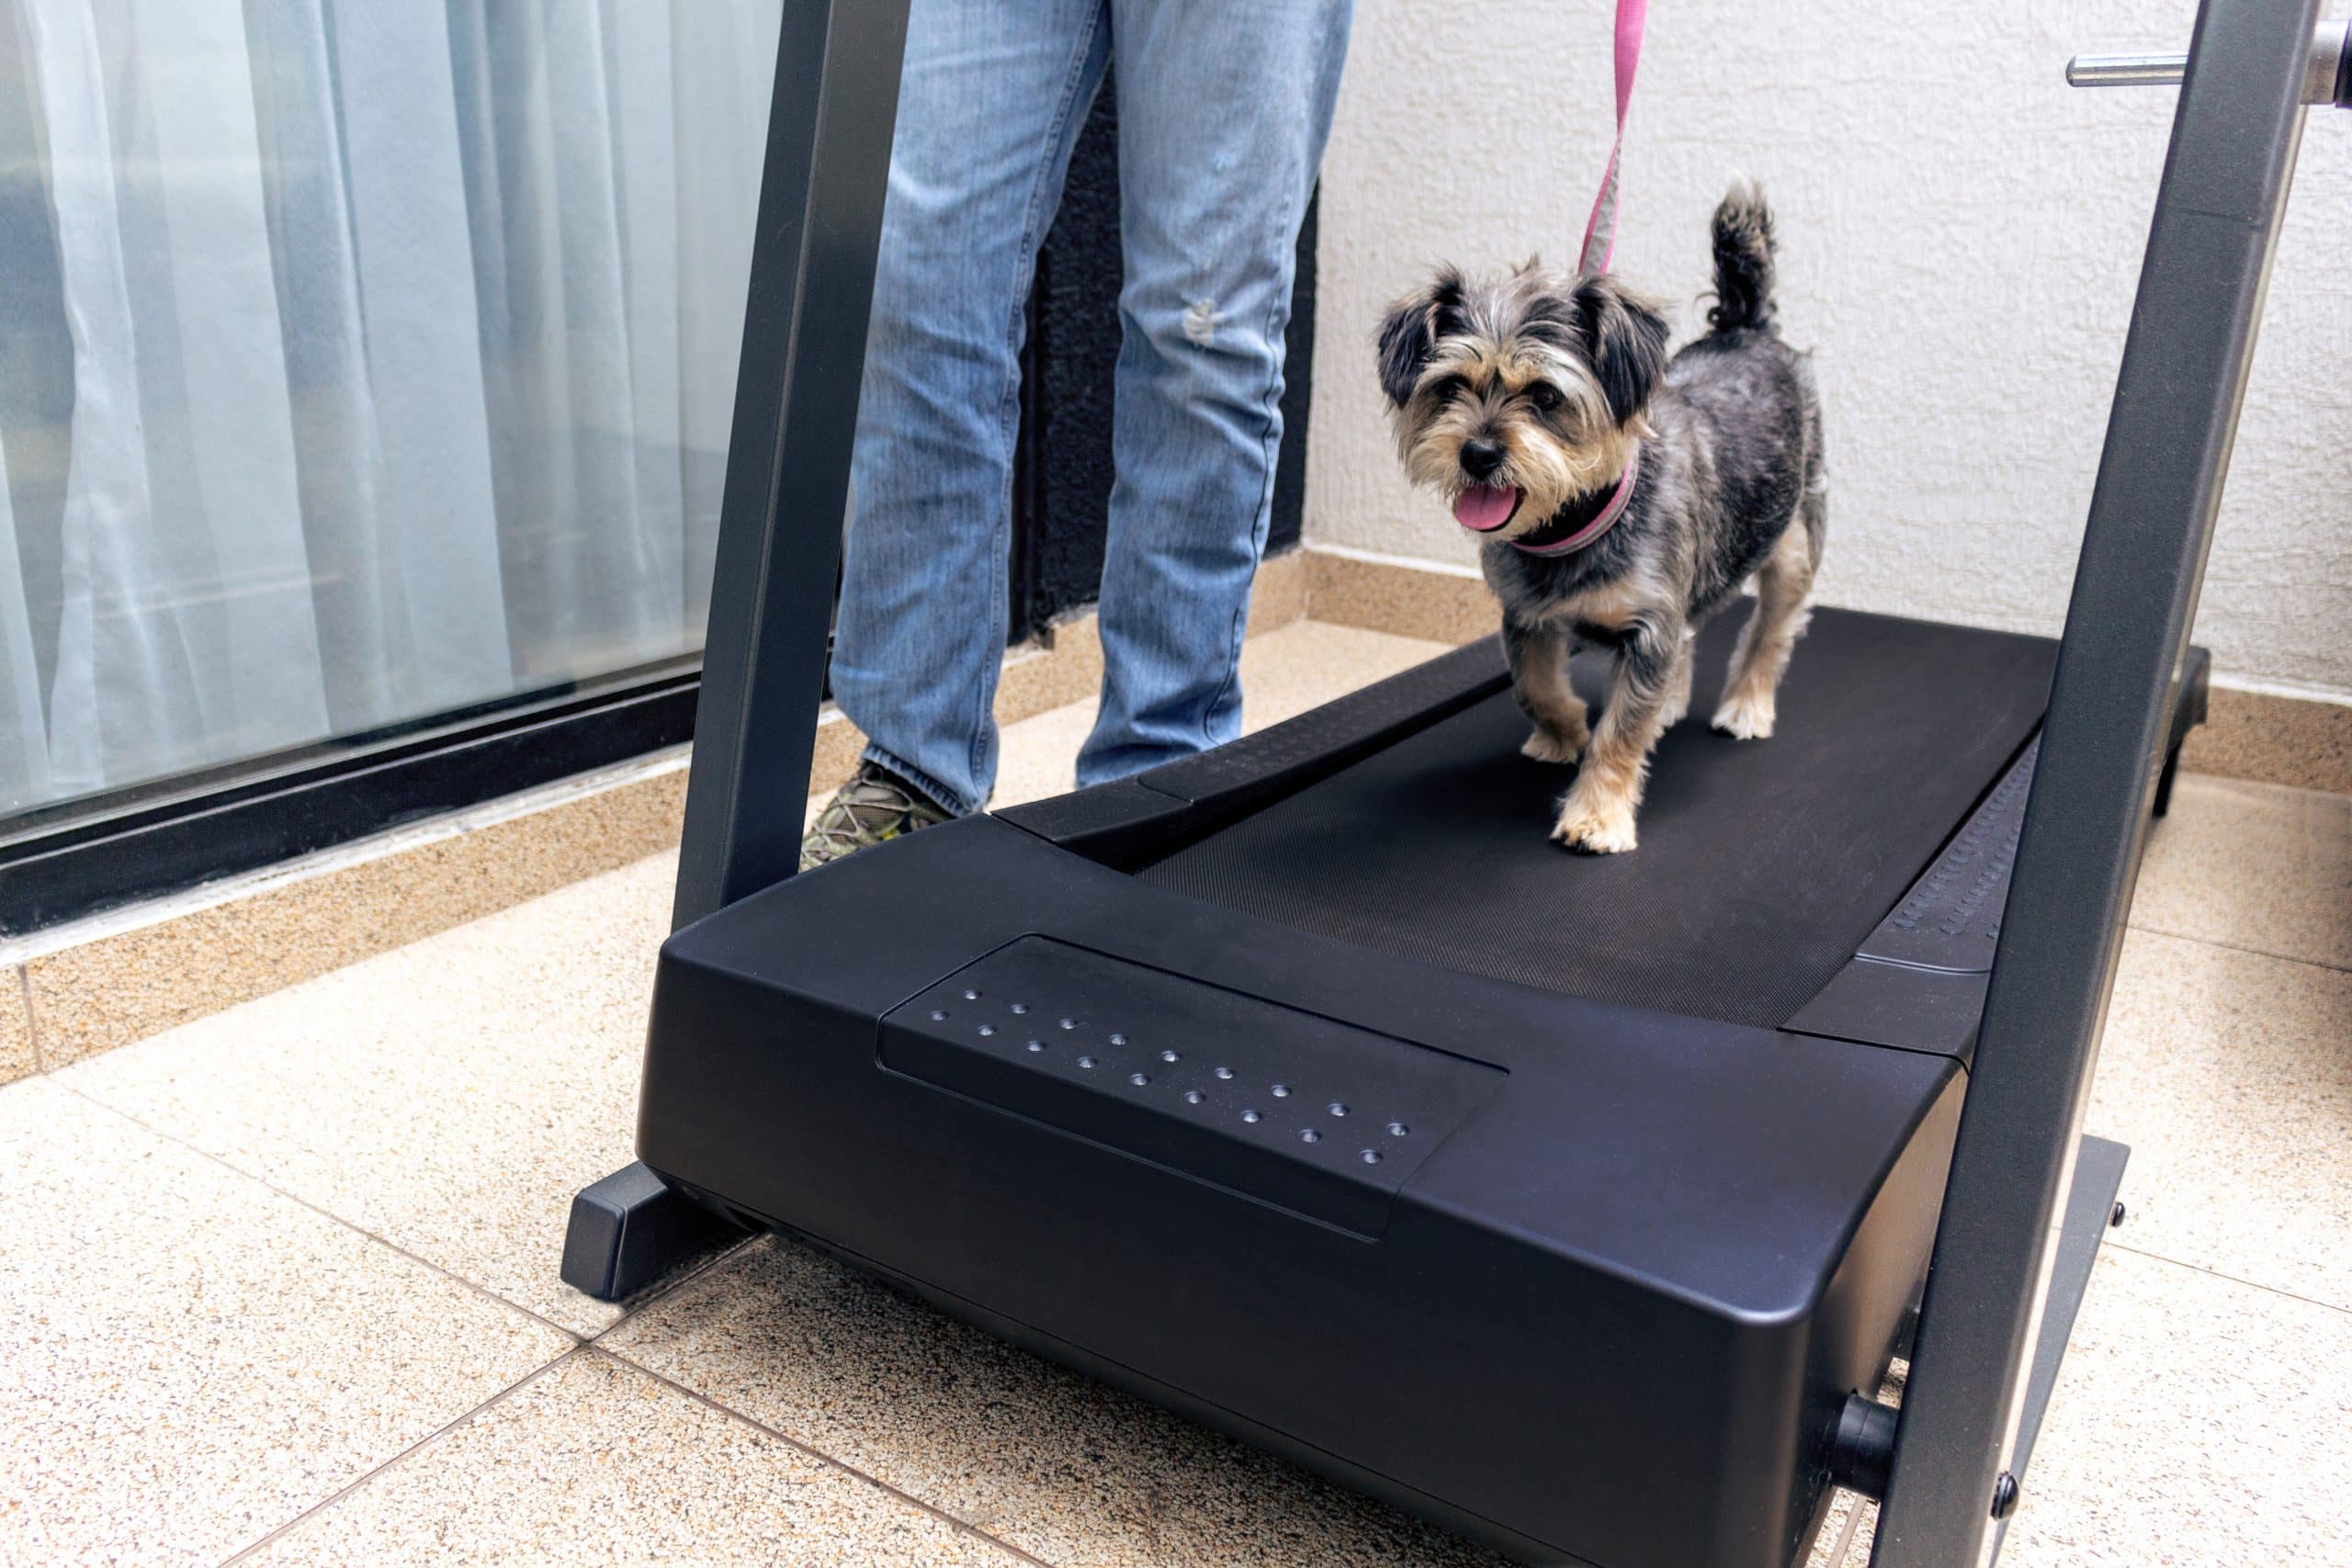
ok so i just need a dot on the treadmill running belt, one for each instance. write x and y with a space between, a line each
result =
1762 865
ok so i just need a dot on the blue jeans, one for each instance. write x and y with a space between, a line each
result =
1223 111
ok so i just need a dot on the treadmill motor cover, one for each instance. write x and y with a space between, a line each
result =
1306 1088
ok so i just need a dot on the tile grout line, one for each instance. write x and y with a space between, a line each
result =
580 1344
2225 1279
1846 1537
2320 964
961 1525
661 1290
430 1437
484 1292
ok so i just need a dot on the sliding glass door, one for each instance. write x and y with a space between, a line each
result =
366 375
360 363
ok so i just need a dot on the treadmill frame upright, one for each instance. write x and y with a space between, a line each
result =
2169 433
831 123
2151 523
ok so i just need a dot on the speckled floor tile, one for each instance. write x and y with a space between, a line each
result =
2251 865
2229 1075
1305 664
1858 1552
188 1360
597 1462
101 993
1038 756
16 1026
449 1096
2197 1422
1049 1461
1832 1547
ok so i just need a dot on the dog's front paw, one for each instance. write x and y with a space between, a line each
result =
1745 719
1549 746
1596 827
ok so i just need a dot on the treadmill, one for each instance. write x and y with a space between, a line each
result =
1302 1085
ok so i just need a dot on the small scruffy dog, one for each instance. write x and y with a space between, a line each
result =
1624 497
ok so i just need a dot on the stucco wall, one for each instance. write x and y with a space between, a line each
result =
1960 235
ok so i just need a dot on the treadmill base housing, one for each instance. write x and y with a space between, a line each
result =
1601 1296
1587 1280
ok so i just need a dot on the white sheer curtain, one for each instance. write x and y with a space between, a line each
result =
359 360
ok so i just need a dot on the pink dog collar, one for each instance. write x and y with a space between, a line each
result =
1599 525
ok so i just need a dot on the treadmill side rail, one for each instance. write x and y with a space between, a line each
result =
1919 980
1130 822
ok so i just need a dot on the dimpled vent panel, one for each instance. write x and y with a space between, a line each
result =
1951 919
1303 1112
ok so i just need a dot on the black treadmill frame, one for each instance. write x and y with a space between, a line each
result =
2160 478
2161 473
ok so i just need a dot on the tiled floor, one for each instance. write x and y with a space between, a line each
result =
281 1283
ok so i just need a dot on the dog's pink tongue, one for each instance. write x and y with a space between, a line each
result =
1486 507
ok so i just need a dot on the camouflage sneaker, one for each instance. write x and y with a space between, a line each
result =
874 806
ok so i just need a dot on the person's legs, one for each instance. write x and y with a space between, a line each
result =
989 104
1222 120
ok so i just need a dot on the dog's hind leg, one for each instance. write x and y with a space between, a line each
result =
1539 681
1783 605
1597 814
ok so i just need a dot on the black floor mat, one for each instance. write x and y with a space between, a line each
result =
1762 863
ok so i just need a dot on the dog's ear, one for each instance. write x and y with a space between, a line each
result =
1624 335
1410 330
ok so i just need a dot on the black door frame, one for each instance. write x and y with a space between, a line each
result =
80 857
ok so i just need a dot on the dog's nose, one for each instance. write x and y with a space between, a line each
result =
1481 458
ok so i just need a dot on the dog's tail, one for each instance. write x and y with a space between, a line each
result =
1743 261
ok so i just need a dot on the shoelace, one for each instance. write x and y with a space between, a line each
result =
840 830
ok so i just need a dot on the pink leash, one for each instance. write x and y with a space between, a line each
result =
1600 229
1600 245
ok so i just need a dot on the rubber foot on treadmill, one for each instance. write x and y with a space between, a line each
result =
631 1229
